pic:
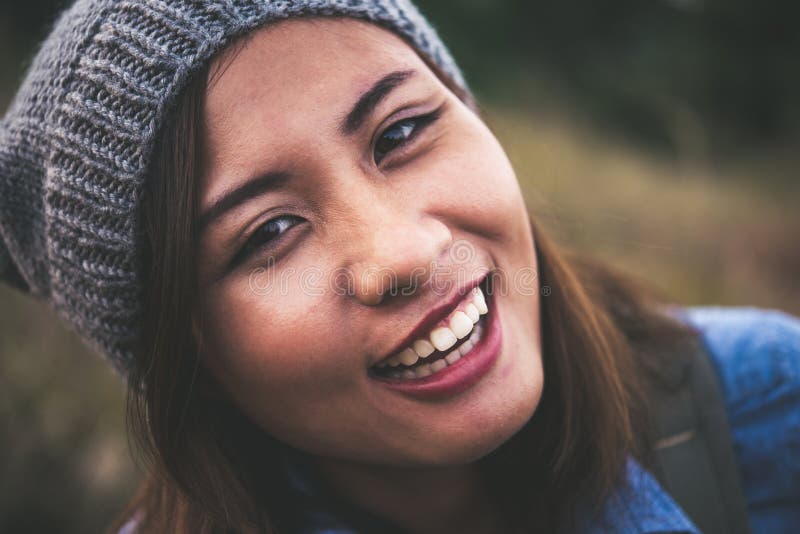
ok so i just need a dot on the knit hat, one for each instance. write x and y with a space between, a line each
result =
77 142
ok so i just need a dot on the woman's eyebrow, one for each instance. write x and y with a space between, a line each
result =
239 195
371 98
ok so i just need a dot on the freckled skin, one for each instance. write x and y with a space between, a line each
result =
296 360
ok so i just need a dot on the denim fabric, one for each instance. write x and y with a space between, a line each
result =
641 506
756 353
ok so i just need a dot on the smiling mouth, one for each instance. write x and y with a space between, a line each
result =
443 345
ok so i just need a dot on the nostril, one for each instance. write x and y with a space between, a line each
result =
407 287
372 284
395 254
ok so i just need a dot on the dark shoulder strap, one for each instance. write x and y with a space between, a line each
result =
695 460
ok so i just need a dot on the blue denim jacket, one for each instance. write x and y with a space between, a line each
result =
757 356
756 353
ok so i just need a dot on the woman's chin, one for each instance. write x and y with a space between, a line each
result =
482 436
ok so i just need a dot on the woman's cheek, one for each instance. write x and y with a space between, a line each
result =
279 338
481 189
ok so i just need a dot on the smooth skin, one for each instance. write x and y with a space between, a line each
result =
397 194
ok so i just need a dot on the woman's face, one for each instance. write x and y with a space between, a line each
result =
350 206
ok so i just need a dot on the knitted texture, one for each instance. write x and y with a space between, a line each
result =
76 142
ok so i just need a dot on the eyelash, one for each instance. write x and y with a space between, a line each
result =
254 243
417 123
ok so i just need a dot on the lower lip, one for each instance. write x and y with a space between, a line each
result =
461 375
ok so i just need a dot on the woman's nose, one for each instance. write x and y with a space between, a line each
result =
396 253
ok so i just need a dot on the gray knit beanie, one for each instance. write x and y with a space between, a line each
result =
76 143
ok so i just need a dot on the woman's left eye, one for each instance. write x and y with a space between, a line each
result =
400 133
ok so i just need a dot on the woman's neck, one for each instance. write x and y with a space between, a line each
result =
421 501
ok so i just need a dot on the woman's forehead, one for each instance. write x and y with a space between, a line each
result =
290 84
300 66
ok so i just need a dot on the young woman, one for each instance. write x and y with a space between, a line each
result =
287 226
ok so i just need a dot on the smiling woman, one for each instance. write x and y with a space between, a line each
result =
291 231
390 200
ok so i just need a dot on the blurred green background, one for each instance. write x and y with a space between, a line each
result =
661 136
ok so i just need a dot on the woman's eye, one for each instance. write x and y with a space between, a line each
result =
266 234
400 133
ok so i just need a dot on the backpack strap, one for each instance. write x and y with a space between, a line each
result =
693 451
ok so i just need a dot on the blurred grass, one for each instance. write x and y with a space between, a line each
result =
708 234
64 462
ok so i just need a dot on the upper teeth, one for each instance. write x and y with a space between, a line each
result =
458 325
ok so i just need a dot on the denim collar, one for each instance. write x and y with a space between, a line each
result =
640 505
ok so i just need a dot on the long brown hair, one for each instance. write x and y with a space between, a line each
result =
210 469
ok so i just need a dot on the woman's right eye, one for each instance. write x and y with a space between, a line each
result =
401 133
266 235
